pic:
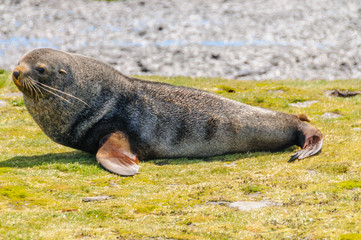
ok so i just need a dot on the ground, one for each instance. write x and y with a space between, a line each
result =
42 184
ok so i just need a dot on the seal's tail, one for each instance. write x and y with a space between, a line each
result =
311 140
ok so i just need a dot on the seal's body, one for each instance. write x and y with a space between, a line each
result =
85 104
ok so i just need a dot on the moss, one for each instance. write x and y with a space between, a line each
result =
97 214
224 88
18 103
42 182
253 189
333 167
14 192
145 209
351 184
296 100
350 236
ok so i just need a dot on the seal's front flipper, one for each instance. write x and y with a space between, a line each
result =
115 155
311 140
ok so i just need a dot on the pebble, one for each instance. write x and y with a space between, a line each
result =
311 171
98 198
251 205
246 205
329 115
303 104
229 164
3 103
341 93
14 94
222 203
265 39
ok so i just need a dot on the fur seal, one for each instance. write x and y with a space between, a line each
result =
85 104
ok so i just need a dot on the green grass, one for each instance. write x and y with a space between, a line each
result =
42 183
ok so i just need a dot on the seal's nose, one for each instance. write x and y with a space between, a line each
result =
16 73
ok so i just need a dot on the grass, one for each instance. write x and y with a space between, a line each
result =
42 183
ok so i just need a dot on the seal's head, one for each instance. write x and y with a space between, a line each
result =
37 71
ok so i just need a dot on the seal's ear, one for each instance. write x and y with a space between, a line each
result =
115 155
62 71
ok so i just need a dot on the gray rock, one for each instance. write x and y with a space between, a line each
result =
342 93
3 103
311 172
330 115
14 94
215 203
98 198
303 104
251 205
245 205
229 165
276 91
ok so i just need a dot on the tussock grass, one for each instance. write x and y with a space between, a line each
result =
42 183
6 83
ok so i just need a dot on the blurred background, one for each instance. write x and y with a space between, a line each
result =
244 39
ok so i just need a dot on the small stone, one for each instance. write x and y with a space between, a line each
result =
98 198
229 164
243 73
14 94
329 115
215 203
276 91
340 93
2 103
255 194
142 33
142 67
303 104
250 205
311 171
215 56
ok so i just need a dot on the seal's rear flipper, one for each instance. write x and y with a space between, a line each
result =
311 141
115 155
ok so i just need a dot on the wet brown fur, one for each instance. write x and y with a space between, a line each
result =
160 120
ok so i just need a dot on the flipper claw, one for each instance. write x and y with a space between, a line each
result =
312 144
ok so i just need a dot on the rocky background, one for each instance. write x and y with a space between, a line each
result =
239 39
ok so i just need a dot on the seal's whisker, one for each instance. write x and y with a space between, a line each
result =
39 90
30 86
55 95
27 86
36 88
36 92
54 89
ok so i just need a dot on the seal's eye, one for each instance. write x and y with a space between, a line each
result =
40 70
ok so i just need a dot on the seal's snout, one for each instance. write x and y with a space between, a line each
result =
16 73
